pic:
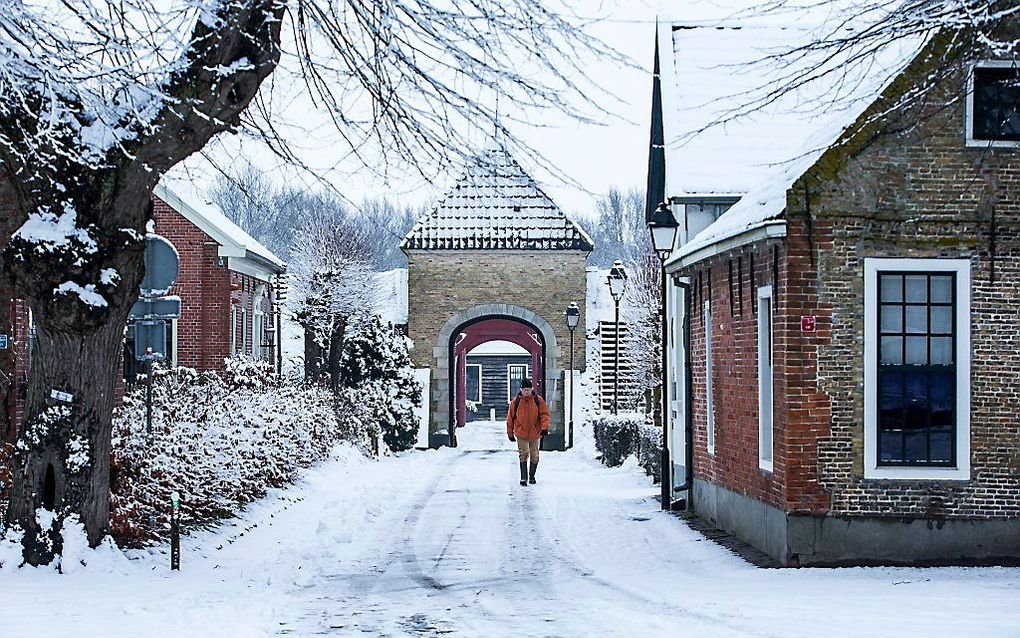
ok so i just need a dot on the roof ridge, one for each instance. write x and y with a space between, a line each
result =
475 212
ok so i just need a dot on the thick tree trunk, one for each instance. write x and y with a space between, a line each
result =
54 457
82 275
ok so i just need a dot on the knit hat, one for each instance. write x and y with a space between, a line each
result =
526 383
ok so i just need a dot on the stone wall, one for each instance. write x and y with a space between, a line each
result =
444 284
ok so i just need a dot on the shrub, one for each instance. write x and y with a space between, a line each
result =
619 436
6 475
221 441
379 390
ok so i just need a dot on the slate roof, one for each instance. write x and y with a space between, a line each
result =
495 205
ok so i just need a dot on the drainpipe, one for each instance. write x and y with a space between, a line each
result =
688 483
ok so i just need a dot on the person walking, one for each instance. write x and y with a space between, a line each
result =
527 423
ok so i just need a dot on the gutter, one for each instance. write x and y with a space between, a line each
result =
767 230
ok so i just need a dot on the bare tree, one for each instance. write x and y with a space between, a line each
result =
333 281
99 98
846 41
387 222
619 226
254 203
641 310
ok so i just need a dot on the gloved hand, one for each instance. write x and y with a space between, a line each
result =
544 432
511 437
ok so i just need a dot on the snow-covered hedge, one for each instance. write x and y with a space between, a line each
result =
378 390
219 440
619 436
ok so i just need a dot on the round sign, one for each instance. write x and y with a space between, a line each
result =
161 266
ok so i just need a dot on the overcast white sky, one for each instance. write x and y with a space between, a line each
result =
596 157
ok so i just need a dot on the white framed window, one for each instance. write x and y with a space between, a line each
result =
765 384
258 323
473 382
173 338
709 386
993 104
515 373
257 328
917 369
233 330
243 332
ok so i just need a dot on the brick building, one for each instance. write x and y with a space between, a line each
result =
495 260
845 351
225 284
15 352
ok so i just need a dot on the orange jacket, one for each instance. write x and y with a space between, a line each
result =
525 419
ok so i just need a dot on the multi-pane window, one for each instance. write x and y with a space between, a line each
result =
996 98
917 362
473 390
516 372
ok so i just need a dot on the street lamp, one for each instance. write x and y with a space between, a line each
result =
663 227
617 281
573 315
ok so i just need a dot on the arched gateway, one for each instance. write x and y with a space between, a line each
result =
495 262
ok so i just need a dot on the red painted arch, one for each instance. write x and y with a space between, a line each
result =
484 331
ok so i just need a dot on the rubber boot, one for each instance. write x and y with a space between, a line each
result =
531 476
524 473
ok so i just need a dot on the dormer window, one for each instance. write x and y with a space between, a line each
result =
994 105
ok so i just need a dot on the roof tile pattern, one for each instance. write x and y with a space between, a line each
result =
495 205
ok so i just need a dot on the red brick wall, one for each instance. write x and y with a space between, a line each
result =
203 286
243 291
734 464
207 291
917 191
922 193
14 323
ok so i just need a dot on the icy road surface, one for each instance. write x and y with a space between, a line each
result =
446 543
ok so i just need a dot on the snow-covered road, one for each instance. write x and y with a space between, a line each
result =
447 543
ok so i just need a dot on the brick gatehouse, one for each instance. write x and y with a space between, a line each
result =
495 260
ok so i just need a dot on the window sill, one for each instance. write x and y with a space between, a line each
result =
918 473
975 143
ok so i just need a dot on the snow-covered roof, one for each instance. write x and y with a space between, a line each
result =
496 348
234 242
391 295
496 205
728 132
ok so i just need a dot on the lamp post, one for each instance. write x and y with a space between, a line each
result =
617 281
573 315
663 227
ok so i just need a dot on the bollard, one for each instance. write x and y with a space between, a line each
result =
175 533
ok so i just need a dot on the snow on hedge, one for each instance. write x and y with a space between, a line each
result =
618 436
219 440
